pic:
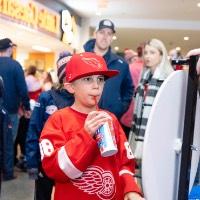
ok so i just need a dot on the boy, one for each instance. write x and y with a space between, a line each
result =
47 103
69 151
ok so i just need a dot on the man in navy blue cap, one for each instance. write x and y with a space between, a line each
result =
118 91
6 43
106 23
15 94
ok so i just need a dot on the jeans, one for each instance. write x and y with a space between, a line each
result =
8 164
15 123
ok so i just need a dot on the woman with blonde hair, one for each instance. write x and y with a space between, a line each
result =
157 69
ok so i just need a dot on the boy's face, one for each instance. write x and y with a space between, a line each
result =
85 90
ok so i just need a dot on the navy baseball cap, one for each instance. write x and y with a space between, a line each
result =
6 43
106 23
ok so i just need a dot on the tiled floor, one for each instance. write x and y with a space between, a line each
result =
20 188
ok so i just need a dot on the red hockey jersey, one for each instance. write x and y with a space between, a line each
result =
71 157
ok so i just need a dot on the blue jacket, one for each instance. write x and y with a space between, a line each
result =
46 105
118 91
14 85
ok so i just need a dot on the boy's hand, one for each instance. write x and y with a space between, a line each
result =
193 52
94 120
133 196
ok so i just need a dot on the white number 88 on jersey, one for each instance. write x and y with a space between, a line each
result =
46 148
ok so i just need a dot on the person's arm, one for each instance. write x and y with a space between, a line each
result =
127 166
195 52
36 123
65 158
133 196
22 89
127 89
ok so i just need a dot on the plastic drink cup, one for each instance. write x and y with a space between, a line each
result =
106 140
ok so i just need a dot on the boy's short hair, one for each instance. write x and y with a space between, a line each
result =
86 64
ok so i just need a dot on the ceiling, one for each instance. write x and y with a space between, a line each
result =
136 21
139 20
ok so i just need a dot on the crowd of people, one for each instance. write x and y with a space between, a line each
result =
56 124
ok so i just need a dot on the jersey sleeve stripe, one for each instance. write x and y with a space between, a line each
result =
66 165
125 171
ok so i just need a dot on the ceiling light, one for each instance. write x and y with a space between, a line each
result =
114 37
116 48
41 48
198 4
178 48
186 38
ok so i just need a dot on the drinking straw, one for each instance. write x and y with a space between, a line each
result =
96 104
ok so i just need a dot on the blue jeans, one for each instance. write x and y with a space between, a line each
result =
15 123
8 147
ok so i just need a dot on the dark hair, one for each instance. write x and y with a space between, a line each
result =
31 70
140 51
48 78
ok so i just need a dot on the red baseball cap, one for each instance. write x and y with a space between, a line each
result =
86 64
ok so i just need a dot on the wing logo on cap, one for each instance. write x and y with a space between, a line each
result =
92 62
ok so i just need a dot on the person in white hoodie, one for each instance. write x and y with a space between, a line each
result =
33 84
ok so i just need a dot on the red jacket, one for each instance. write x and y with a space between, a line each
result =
71 157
